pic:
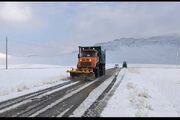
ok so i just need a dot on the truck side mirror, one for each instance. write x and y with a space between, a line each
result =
78 56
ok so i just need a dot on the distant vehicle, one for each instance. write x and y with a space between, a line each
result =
91 62
116 65
124 65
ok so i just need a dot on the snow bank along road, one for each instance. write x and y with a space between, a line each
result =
146 91
59 100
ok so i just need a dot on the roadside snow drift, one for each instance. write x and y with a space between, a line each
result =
22 79
151 92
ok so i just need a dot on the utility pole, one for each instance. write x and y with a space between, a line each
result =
177 55
6 53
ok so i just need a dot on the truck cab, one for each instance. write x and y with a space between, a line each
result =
88 58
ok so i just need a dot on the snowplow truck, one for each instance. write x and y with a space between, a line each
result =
91 63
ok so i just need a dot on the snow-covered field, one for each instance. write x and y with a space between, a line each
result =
146 90
151 91
25 78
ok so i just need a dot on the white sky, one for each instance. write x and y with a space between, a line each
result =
65 25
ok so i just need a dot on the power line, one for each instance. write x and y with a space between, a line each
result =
6 53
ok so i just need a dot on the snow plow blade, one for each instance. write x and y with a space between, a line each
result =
82 74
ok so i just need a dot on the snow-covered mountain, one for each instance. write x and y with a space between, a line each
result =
152 50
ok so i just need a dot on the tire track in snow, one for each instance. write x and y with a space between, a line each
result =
96 108
13 104
37 103
74 99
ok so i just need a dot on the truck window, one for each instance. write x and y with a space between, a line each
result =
88 54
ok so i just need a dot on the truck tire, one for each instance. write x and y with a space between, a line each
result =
100 70
97 71
104 69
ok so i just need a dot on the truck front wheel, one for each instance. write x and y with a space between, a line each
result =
96 71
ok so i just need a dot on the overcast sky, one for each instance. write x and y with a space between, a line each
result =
63 26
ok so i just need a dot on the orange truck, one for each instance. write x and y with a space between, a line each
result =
91 63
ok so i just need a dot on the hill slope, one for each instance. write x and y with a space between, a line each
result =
152 50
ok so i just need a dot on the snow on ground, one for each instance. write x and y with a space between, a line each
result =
146 90
22 79
151 91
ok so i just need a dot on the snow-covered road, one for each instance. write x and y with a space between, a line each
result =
53 102
146 90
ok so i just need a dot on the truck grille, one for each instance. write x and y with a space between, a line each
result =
85 64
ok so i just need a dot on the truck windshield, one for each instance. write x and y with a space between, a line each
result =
88 54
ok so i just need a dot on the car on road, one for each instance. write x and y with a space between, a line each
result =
116 65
